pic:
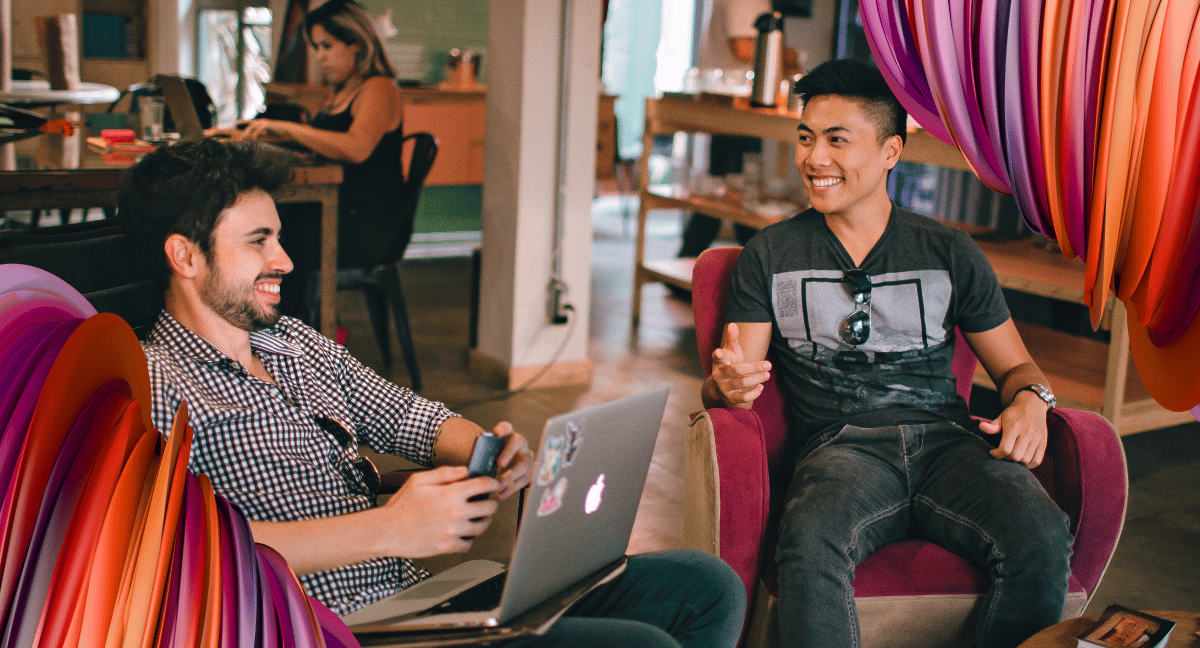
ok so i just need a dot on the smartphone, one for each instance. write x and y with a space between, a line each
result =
484 454
483 460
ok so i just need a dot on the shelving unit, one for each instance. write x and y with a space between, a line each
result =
119 71
1086 374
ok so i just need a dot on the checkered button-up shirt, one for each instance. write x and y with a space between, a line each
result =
263 448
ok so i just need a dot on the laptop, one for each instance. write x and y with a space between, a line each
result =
183 111
187 121
579 512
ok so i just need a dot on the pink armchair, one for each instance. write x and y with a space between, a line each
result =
909 593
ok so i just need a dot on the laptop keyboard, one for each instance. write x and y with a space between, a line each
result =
479 598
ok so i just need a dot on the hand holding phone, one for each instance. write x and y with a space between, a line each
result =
484 454
483 460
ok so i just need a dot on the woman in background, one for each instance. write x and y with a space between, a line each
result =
360 127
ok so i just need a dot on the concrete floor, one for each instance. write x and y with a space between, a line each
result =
1157 565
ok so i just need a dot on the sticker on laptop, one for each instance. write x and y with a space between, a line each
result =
552 459
552 498
574 438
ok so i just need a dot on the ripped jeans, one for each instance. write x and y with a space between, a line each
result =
863 488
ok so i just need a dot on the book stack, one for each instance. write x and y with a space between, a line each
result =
1121 627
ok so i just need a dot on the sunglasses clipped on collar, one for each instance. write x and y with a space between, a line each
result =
366 477
856 328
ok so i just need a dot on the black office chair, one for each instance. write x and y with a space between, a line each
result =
93 258
379 278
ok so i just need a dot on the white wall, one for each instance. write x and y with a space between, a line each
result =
813 36
519 180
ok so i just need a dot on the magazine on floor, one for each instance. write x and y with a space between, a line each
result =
1121 627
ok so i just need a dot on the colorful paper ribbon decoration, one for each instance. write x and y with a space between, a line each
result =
1088 113
106 539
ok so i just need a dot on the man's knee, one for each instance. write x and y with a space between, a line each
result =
572 632
1041 544
707 582
817 534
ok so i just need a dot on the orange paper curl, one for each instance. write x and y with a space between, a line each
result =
1114 142
107 540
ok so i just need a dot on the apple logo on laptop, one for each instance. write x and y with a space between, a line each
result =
594 495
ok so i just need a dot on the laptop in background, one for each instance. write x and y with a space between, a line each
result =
187 121
579 513
183 111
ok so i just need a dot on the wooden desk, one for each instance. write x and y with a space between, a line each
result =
1063 635
50 171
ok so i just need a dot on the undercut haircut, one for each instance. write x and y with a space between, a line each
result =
860 81
183 188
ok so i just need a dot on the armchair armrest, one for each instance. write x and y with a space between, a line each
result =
1084 471
728 487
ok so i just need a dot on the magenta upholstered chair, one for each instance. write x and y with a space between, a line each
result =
910 593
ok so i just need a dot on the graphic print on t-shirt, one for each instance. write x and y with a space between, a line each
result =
908 310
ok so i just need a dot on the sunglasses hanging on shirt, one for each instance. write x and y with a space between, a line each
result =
368 475
856 328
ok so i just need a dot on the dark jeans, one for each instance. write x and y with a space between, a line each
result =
664 599
864 488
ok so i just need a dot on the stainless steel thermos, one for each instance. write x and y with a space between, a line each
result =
768 59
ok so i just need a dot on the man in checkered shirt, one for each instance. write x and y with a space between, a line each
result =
279 411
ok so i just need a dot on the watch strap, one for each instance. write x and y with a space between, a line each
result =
1041 391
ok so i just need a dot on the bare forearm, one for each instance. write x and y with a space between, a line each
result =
455 440
334 145
1024 374
322 543
434 513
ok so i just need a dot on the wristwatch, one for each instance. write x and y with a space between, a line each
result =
1043 392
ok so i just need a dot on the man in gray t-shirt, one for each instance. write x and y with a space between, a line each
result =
857 302
926 278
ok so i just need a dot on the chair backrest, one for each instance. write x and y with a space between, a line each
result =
95 259
710 292
424 152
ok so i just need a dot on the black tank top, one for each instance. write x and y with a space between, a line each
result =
369 193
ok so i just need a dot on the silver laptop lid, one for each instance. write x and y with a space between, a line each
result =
580 508
183 111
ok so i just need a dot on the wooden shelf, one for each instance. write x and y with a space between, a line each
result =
1076 367
728 207
676 272
1079 368
670 115
1025 265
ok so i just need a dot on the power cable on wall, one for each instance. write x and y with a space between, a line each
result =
536 377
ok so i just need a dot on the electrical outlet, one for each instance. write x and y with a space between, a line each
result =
556 310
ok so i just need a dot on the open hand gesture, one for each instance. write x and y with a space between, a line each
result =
739 382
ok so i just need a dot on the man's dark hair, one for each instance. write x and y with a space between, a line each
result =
183 188
862 81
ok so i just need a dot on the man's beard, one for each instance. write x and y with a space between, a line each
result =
238 307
